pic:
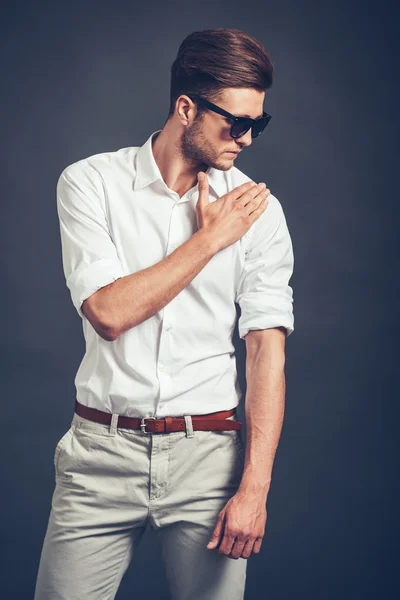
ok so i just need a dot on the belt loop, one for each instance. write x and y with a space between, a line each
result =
114 424
189 426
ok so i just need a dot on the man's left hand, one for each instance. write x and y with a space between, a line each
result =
240 526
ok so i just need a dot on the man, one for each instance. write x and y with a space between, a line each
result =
158 244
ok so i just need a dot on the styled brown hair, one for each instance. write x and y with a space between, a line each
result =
213 59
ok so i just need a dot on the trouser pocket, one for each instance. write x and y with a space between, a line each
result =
60 447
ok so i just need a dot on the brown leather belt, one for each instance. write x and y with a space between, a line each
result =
217 421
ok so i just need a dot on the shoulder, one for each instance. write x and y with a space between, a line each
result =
272 216
94 167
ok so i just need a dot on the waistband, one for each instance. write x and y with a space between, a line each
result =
218 421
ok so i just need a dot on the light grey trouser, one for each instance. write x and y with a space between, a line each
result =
110 482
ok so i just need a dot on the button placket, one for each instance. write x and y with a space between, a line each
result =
164 359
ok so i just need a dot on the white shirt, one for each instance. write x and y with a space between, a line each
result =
117 216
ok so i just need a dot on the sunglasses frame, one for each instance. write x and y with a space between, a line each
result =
225 113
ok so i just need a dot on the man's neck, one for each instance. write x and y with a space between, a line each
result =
174 170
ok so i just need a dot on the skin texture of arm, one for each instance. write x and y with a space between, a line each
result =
264 406
130 300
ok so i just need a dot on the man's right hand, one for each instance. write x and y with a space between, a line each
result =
231 216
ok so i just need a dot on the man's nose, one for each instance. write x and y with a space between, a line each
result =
246 138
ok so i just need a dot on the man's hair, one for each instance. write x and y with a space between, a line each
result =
213 59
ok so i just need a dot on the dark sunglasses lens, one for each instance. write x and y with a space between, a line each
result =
259 127
239 128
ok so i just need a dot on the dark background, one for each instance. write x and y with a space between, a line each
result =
80 78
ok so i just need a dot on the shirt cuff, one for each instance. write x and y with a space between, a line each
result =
254 315
86 280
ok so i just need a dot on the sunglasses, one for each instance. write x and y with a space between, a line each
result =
240 125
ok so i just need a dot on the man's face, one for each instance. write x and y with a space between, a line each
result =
207 138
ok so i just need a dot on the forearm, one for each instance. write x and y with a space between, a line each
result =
264 412
134 298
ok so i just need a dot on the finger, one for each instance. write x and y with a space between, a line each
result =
216 534
259 209
248 548
203 188
202 180
237 548
254 194
241 189
202 177
227 544
256 203
257 545
227 539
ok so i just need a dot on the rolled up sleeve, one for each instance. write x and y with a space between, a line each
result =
264 294
89 256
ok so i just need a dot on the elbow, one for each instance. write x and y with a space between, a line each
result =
106 330
99 321
110 335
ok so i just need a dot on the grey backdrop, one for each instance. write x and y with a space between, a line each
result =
86 77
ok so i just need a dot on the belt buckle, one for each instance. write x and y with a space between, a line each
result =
143 423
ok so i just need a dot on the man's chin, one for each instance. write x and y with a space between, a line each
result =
223 165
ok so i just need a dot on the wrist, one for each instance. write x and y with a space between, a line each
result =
208 241
252 483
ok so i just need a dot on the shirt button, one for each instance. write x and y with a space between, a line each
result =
168 327
161 366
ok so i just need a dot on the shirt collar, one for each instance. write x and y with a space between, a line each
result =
147 170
